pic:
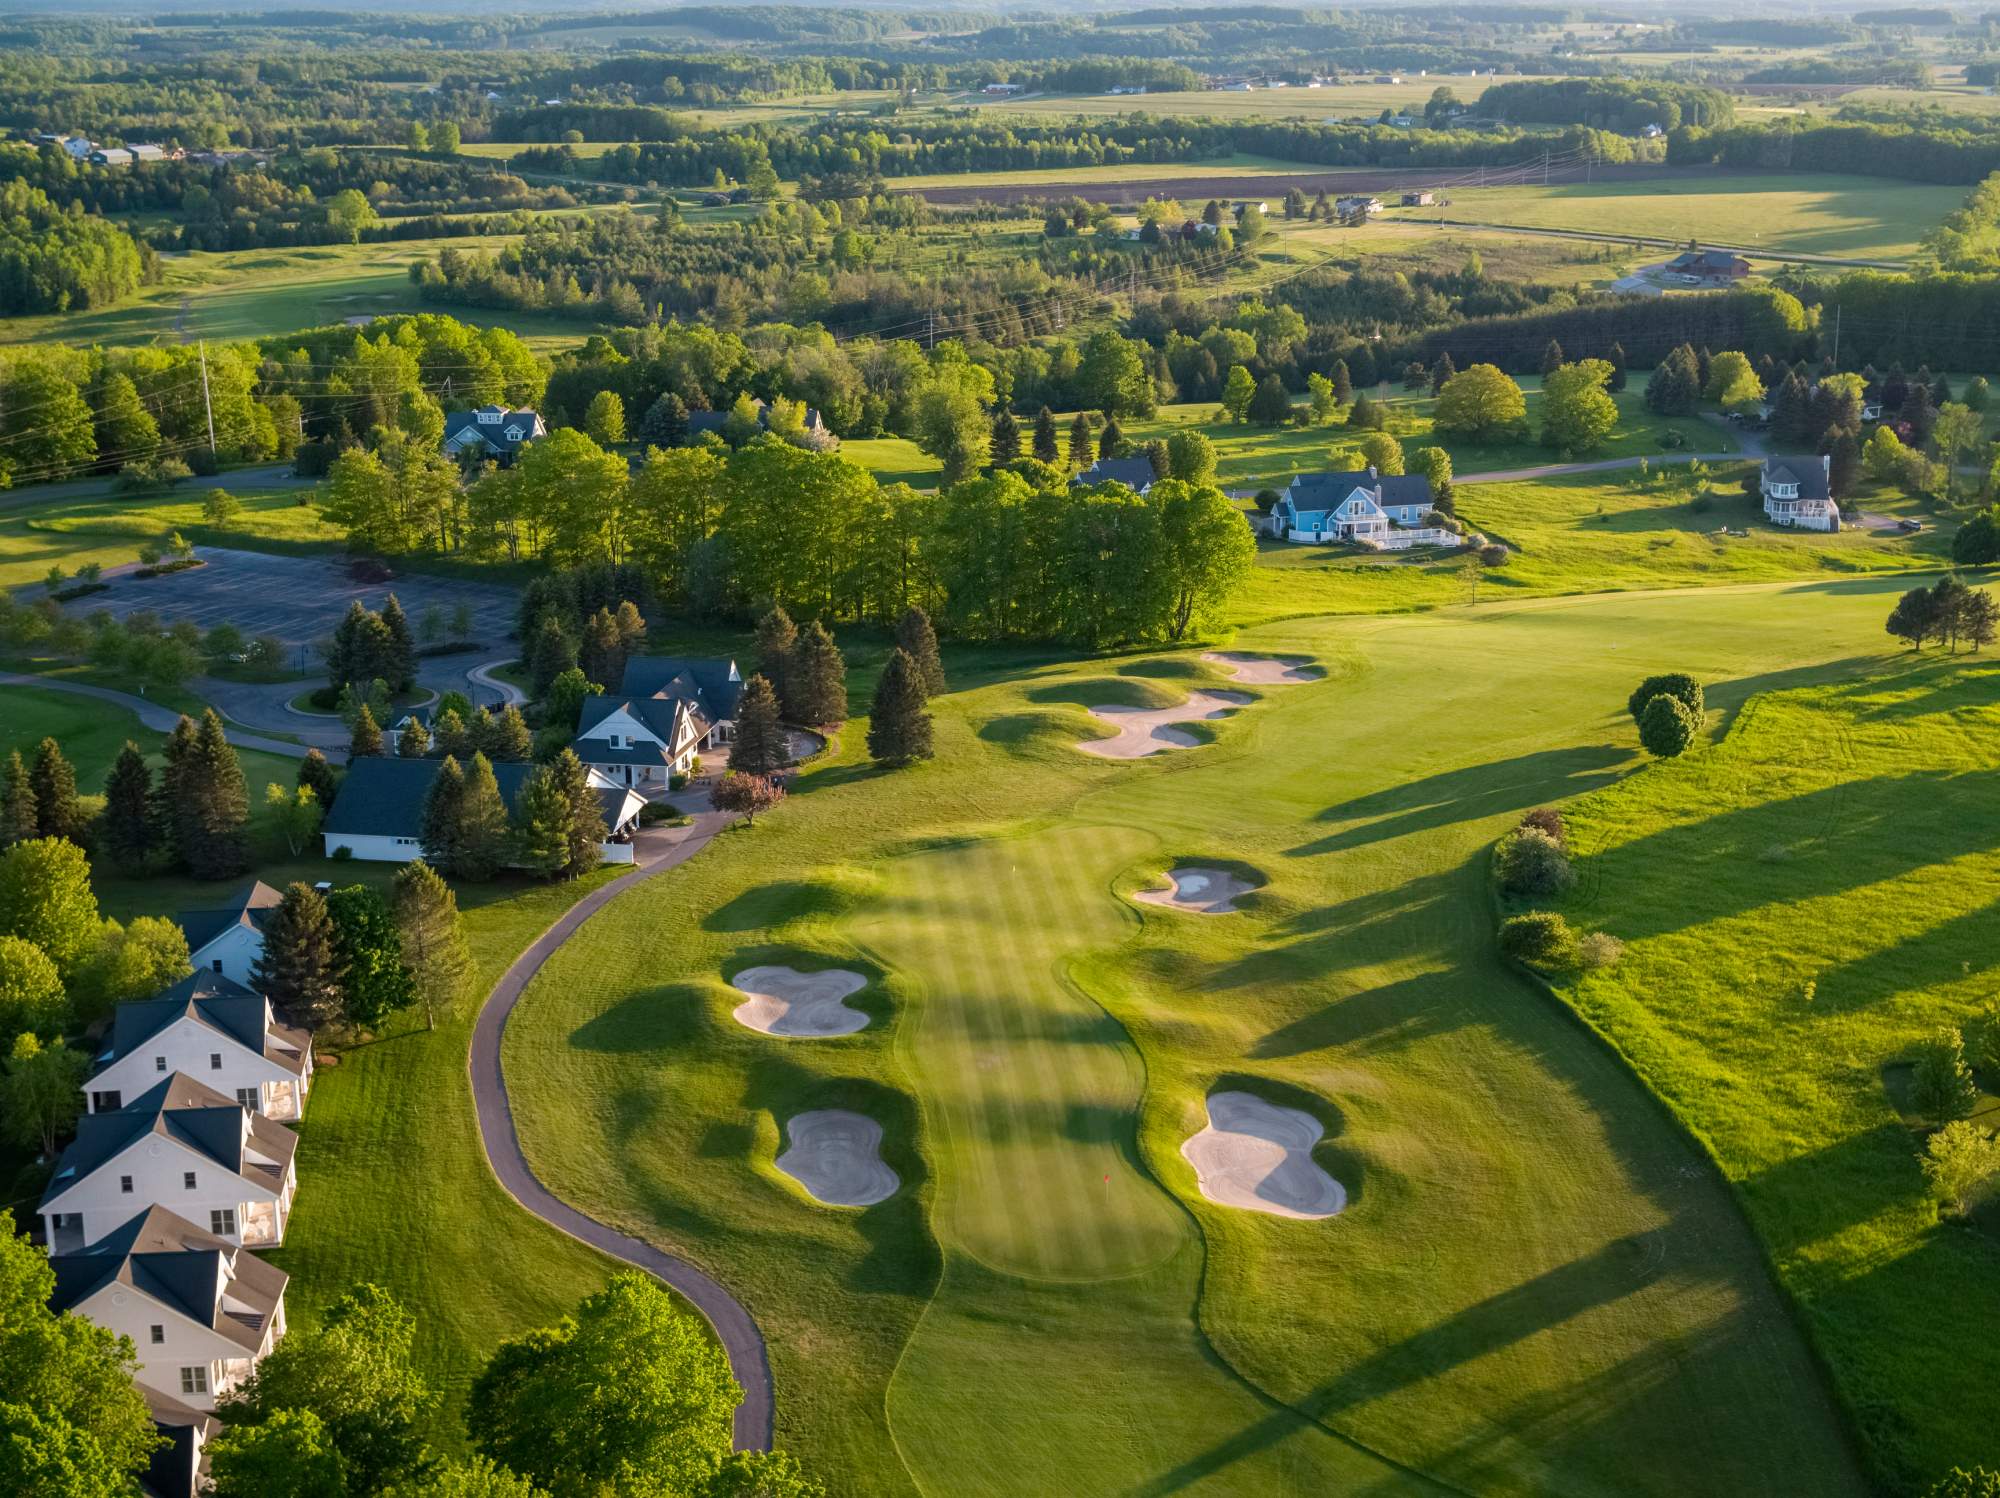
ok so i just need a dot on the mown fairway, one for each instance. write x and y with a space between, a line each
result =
1538 1285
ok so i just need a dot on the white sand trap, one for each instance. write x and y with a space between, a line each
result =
1144 730
1203 891
785 1001
1258 1156
837 1156
1264 670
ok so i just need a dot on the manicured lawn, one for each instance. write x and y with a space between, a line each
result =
93 733
109 529
1838 834
1537 1285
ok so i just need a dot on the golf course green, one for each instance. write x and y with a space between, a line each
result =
1538 1282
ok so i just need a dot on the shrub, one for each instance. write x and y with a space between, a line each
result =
1493 555
1667 728
1673 684
1599 949
1957 1160
1941 1087
1533 863
1549 820
1541 938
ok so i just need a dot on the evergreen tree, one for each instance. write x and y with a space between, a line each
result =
414 742
1918 411
369 952
1616 359
1441 371
1004 447
482 823
1343 382
631 631
1044 449
367 738
444 805
915 635
540 824
1703 362
506 736
899 727
217 827
550 653
1552 358
1111 441
602 655
760 747
1675 385
584 829
1792 412
818 679
315 772
400 660
128 811
451 737
299 969
433 938
1846 455
57 813
171 809
665 423
19 820
1082 452
1364 414
776 638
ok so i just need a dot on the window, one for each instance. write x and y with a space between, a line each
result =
195 1380
249 1097
215 1061
216 965
159 1063
187 1180
159 1334
222 1222
125 1185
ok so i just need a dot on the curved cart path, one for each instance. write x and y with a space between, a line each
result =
163 719
738 1334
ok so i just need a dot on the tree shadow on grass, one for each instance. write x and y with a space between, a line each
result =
1467 794
1964 946
1728 697
654 1019
1373 1019
1385 923
1821 1193
774 904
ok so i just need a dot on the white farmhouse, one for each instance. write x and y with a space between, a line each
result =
1384 512
668 709
1799 492
378 814
200 1310
211 1027
229 940
181 1145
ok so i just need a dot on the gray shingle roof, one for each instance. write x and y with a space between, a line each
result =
460 425
715 685
216 1001
180 1265
251 909
179 1108
1808 472
1315 493
383 797
1134 473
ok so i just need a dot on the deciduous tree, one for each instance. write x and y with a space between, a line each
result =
1666 727
368 948
747 794
1479 402
46 900
1577 414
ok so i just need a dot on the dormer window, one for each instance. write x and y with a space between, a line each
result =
489 418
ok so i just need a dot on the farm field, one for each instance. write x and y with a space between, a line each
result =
1039 1048
1338 102
1835 836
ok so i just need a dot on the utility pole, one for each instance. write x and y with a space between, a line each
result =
208 406
1545 168
1836 335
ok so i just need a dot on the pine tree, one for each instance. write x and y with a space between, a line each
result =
299 968
507 737
315 772
540 824
915 635
451 737
631 631
818 679
218 828
172 811
1441 371
1004 447
434 945
1343 383
1552 358
367 738
1111 441
1044 447
584 829
899 728
1081 452
550 653
128 810
1846 468
444 802
482 823
400 661
760 747
57 813
414 742
341 664
776 637
602 655
19 820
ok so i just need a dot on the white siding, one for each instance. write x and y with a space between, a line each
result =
158 1168
190 1046
234 954
373 848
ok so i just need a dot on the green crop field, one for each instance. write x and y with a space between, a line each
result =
1337 102
1837 836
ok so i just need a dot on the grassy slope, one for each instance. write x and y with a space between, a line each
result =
1537 1287
110 529
1838 833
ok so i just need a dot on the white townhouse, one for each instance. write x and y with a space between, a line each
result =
1384 512
181 1145
378 813
201 1311
1799 492
211 1027
668 710
229 940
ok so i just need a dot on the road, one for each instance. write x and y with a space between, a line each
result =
162 719
659 850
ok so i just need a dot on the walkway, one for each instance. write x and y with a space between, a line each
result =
744 1344
162 719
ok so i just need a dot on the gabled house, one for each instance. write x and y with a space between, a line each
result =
1709 265
1384 512
670 708
714 421
392 733
178 1468
491 432
182 1145
378 813
201 1311
1799 492
230 938
1135 474
208 1026
1357 205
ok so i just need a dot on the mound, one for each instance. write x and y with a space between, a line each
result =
1144 730
1264 670
1258 1156
1203 891
785 1001
837 1157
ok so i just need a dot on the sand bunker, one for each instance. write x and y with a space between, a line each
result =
785 1001
1144 730
1264 670
1258 1156
1204 891
837 1156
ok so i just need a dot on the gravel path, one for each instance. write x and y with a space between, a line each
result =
744 1344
